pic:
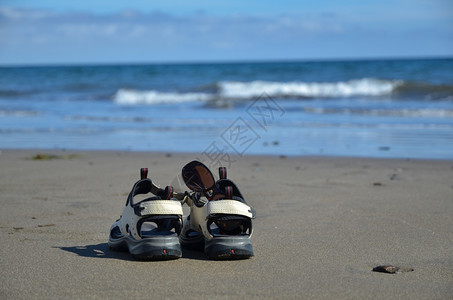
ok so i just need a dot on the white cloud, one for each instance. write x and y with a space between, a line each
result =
127 25
13 14
131 35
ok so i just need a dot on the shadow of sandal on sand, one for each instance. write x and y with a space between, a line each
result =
97 251
102 251
193 254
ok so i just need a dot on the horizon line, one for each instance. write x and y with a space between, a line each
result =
223 61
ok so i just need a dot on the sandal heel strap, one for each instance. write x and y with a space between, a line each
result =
230 207
158 207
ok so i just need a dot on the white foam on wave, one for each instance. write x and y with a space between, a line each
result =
252 89
359 87
135 97
416 113
18 113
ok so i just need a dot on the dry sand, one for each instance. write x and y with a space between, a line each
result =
323 224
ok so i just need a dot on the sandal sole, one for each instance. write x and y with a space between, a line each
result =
159 248
234 247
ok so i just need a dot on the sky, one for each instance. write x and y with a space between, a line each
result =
165 31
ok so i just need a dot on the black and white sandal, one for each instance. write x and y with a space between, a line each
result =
220 220
150 228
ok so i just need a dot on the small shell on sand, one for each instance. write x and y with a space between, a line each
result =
391 269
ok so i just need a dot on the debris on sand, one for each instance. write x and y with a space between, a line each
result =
389 269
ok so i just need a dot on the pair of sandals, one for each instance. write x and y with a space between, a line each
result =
220 221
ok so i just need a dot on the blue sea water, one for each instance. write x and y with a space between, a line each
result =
367 108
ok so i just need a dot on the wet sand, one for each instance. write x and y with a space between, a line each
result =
322 225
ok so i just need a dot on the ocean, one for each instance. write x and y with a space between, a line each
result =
364 108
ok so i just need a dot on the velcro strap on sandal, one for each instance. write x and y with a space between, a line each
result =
230 207
159 207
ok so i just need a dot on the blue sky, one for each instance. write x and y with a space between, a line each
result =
73 32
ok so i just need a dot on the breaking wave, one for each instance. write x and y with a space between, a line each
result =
136 97
352 88
236 90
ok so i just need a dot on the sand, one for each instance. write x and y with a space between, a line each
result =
323 224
